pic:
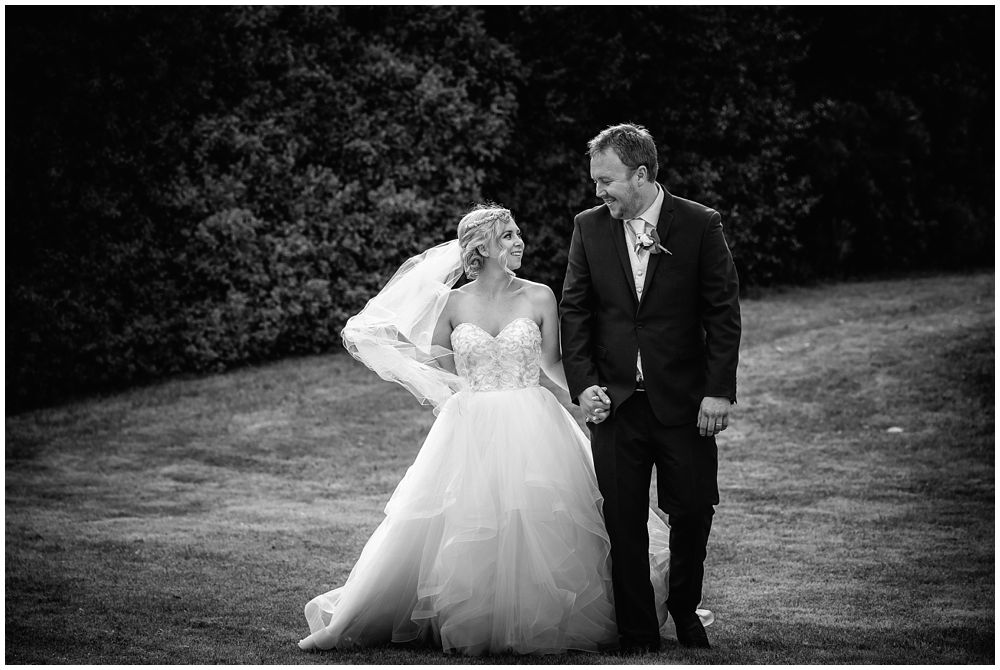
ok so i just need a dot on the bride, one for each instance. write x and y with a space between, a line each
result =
494 540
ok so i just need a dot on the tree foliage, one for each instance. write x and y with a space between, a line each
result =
224 186
901 138
192 188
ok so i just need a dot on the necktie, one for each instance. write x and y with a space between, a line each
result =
638 228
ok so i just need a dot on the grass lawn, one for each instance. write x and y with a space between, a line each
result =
190 521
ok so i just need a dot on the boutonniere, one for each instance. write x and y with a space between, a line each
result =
651 242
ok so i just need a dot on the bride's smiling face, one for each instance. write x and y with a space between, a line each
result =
509 240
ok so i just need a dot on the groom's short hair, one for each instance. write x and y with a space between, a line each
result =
633 144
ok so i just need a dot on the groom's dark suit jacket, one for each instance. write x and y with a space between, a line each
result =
687 324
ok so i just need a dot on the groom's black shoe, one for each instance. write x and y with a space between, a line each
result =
691 634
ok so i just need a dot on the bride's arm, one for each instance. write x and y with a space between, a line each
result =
549 324
442 337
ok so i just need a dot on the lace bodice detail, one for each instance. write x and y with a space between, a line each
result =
511 360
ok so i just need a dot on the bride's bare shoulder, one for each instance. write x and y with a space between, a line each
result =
459 294
536 291
457 297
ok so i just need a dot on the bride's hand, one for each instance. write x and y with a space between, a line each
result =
595 403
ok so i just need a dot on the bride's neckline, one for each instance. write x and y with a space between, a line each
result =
499 332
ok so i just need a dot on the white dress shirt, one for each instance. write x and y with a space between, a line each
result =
639 260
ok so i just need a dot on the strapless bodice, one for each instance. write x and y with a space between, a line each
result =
510 360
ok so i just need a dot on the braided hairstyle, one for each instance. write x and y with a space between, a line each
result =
480 228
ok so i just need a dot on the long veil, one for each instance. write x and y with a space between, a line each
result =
393 334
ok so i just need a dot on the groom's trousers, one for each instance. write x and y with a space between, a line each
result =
626 446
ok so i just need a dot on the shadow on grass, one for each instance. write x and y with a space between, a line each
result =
189 522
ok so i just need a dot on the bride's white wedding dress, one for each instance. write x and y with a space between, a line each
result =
493 541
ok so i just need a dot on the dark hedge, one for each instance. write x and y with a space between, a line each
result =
193 188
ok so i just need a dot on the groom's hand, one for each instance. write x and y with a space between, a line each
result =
713 416
595 403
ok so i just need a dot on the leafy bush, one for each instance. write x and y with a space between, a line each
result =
193 188
336 144
713 87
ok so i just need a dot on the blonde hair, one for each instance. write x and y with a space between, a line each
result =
482 227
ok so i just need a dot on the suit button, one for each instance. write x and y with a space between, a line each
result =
639 326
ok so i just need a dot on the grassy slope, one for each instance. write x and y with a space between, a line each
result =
190 521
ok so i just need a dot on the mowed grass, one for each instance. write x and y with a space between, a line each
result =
190 521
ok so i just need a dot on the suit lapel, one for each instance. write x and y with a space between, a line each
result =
617 232
662 229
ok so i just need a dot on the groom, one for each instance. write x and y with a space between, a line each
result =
650 324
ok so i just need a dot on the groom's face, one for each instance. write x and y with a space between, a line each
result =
615 184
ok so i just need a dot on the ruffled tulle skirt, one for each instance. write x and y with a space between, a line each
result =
492 542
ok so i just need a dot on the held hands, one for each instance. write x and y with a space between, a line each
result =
595 403
713 416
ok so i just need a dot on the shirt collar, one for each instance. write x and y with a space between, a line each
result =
652 213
